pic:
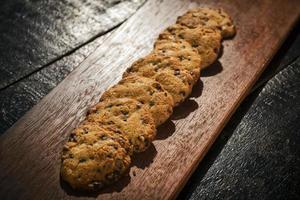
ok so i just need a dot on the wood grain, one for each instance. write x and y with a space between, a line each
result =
30 150
20 97
35 34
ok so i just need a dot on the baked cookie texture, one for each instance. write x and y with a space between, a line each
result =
183 52
212 18
207 41
147 91
167 71
94 157
126 117
124 121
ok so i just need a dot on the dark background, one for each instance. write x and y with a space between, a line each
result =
257 155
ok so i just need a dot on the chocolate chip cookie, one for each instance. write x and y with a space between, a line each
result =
167 71
217 19
206 40
148 92
126 117
94 159
182 51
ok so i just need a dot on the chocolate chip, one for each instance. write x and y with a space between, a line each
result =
114 146
117 131
177 72
151 92
151 103
85 130
72 137
181 58
109 106
103 137
131 69
157 86
110 155
91 111
65 149
125 112
205 19
142 101
81 160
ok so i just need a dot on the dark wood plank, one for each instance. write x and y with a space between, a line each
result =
20 97
35 33
35 141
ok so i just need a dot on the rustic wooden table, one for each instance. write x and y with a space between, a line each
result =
257 154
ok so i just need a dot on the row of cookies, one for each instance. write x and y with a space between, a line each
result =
124 121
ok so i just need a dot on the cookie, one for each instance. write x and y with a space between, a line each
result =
126 117
217 19
167 71
147 91
93 161
89 132
181 51
207 41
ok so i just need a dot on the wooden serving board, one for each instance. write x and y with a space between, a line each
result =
30 150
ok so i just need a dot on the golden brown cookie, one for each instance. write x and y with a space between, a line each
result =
206 40
208 17
183 52
126 117
147 91
95 159
90 132
167 71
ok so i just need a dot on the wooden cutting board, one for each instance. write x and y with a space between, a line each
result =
30 150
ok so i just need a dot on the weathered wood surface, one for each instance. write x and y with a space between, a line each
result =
35 33
20 97
30 150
